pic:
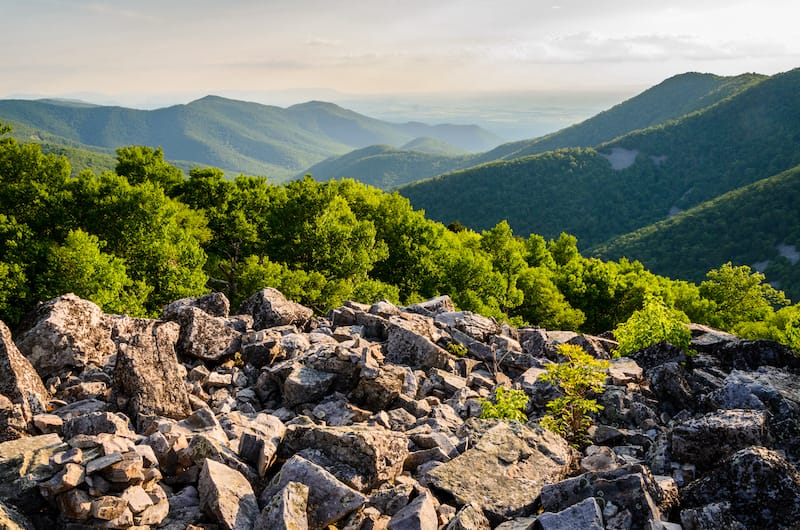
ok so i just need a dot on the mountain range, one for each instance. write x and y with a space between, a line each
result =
696 171
237 136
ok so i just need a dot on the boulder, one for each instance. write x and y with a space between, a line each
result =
375 454
474 326
68 333
95 423
504 472
434 306
269 308
258 444
11 519
585 515
227 496
420 514
411 341
629 493
206 337
214 304
21 386
24 463
329 500
306 385
754 488
470 517
286 509
147 375
658 354
706 440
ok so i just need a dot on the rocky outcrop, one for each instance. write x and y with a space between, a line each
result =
369 418
22 394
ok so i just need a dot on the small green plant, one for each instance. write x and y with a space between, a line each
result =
507 404
459 350
654 323
576 379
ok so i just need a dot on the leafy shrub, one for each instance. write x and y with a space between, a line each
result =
652 324
459 350
575 379
507 404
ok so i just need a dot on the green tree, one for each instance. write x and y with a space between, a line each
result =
506 404
739 295
654 323
141 164
80 266
507 254
576 379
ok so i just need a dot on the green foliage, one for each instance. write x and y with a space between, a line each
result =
654 323
141 164
506 404
576 379
459 350
739 295
781 326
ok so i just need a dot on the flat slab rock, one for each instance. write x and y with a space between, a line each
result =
506 470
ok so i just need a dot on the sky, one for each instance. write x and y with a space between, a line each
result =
147 53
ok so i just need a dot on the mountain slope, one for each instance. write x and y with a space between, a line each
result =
632 181
669 100
234 135
755 225
386 167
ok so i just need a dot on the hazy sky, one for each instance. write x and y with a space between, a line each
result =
161 49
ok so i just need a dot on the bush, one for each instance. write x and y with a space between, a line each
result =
652 324
575 379
507 404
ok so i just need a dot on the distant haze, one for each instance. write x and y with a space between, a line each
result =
459 58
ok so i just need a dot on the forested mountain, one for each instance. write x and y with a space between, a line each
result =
632 181
756 225
669 100
237 136
387 167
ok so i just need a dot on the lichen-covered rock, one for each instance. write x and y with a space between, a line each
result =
21 386
411 341
286 509
584 515
470 517
147 374
270 308
631 493
227 496
375 454
505 470
329 500
24 463
306 385
11 519
420 514
206 337
706 440
754 487
68 333
215 304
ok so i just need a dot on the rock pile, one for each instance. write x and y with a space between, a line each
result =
365 419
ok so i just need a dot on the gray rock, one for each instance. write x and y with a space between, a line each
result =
286 509
470 517
24 463
706 440
329 500
258 444
434 306
96 423
585 515
411 341
69 333
376 454
505 470
11 519
631 493
261 348
270 308
227 496
658 354
306 385
147 374
215 304
21 386
419 515
206 337
378 388
474 326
